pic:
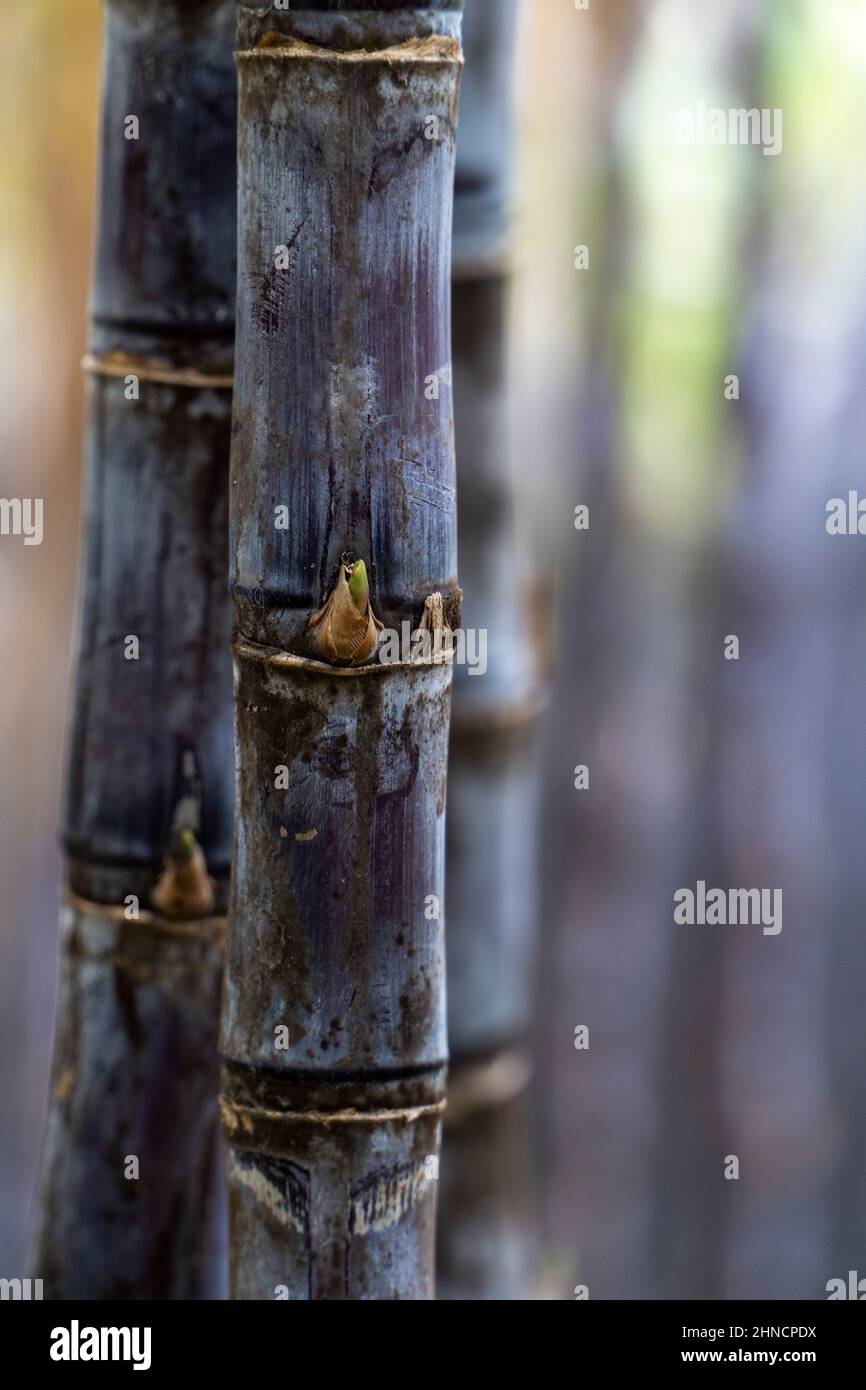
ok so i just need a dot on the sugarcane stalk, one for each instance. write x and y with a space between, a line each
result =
333 1034
601 1118
130 1140
486 1228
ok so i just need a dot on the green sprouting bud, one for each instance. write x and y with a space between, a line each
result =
345 629
185 846
185 890
359 587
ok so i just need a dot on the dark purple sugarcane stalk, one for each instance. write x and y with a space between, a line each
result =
131 1131
333 1036
486 1228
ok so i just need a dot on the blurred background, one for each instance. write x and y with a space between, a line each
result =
707 518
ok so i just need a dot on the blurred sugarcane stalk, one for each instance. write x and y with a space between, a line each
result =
783 1090
486 1228
593 959
130 1143
702 1037
333 1038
